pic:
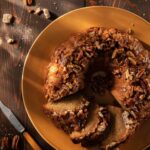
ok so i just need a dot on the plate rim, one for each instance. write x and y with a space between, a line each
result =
30 49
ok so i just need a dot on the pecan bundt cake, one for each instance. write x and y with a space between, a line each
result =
124 59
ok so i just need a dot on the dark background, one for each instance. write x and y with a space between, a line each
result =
25 29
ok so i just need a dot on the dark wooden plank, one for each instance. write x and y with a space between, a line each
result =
141 8
25 29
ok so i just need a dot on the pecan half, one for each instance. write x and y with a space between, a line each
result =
130 54
128 75
15 142
117 51
132 60
4 143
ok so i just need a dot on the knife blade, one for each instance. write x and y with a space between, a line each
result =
18 126
11 117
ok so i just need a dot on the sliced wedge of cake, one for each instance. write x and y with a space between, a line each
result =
121 127
95 127
70 113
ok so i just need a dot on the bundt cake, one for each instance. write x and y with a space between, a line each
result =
96 126
124 72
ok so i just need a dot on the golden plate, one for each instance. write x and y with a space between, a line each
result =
38 58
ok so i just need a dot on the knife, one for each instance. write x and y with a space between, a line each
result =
18 126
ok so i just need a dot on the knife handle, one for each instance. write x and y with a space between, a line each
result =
31 141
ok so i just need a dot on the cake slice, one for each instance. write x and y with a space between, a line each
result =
94 129
69 114
121 127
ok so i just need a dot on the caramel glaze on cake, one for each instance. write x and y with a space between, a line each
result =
128 64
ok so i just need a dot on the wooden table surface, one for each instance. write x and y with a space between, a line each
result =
25 29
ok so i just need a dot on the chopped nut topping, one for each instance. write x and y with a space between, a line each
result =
91 34
53 69
142 97
133 61
114 54
130 54
117 51
138 89
128 75
97 44
130 31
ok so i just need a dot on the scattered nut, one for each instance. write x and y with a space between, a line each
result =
46 13
1 41
15 142
7 18
10 41
130 54
31 11
97 44
133 61
128 76
28 2
130 31
38 11
4 143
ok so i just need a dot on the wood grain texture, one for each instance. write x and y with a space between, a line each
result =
24 30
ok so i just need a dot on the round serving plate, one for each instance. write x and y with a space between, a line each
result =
34 71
